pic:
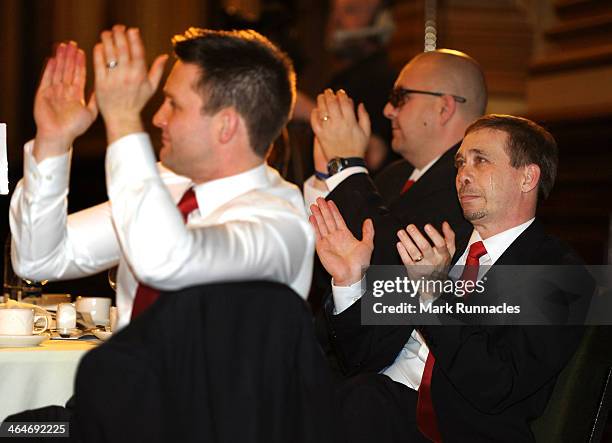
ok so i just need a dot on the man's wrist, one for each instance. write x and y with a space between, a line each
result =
338 164
117 127
335 150
46 146
346 282
349 280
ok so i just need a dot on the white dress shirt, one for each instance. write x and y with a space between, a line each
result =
248 226
409 364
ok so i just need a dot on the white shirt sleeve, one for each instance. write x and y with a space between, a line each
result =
345 296
47 243
259 240
338 178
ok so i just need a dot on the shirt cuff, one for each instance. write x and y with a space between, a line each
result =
311 193
129 160
48 178
338 178
345 296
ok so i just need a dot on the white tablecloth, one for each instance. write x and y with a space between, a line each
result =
39 376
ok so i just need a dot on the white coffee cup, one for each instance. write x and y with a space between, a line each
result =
21 321
97 307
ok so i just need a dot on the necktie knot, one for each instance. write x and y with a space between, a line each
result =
187 203
472 262
477 250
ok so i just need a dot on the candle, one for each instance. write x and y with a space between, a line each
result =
66 316
3 161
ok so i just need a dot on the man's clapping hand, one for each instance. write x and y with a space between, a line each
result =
339 132
123 85
60 111
342 255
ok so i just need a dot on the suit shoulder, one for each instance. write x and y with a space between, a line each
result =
396 167
392 178
554 251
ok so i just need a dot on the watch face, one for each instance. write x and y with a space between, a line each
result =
338 164
334 166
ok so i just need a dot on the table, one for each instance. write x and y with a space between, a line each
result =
39 376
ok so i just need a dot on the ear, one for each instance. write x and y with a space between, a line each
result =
448 107
227 121
531 178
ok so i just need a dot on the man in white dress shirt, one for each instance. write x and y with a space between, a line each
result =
226 100
449 383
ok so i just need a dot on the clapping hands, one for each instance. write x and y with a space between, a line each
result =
122 88
345 257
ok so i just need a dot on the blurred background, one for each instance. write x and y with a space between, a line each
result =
548 60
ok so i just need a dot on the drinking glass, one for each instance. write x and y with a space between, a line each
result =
11 282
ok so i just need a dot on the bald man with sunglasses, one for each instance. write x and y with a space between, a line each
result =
435 97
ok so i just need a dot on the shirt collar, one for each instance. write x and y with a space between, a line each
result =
497 244
214 194
418 173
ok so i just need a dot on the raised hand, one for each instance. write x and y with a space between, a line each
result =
338 130
60 111
342 255
123 85
415 249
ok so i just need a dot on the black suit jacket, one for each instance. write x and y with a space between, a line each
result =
226 362
488 382
432 199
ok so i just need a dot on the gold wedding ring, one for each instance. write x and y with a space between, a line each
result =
112 64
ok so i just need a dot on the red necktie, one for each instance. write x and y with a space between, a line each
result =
472 262
407 186
146 295
426 415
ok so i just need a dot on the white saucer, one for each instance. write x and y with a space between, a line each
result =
21 341
102 335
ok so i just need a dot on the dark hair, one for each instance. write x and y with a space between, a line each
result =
245 70
528 143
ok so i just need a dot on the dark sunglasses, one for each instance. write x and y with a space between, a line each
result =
397 95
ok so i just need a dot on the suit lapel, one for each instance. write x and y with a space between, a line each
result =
435 178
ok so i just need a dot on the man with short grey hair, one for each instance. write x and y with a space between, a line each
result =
478 382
